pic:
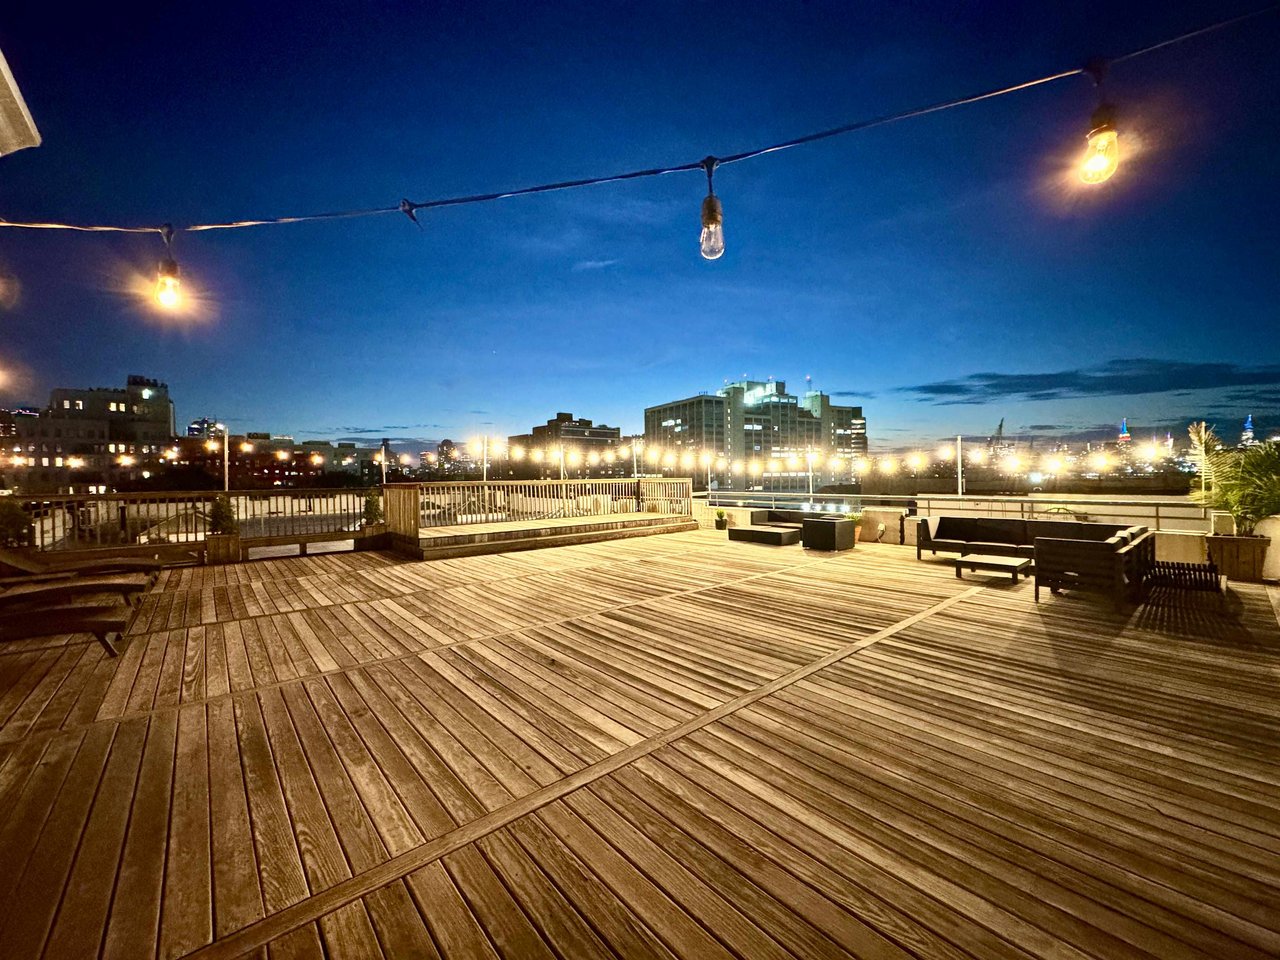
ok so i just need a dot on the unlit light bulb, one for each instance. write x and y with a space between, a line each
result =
712 228
168 287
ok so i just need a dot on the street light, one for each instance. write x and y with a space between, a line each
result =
226 457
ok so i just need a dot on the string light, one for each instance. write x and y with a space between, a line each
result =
1102 155
168 287
712 240
1100 164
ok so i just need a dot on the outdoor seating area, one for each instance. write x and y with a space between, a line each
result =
676 745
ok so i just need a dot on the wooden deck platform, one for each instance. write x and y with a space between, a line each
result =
665 746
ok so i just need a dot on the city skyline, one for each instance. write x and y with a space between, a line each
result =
941 273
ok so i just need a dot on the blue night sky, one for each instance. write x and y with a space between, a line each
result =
943 272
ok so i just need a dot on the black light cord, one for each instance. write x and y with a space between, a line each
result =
410 208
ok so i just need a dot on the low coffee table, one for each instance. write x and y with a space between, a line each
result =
976 561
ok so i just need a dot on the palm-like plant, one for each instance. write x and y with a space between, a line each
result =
1244 483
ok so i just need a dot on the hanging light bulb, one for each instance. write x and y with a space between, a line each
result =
168 287
168 294
712 218
1102 155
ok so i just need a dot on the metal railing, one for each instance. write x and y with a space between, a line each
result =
1159 514
498 501
96 521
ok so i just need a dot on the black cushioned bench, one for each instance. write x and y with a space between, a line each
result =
777 536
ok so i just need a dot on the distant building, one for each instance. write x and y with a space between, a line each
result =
588 449
85 438
758 422
568 431
204 428
1246 435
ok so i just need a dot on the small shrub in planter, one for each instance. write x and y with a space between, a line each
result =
856 517
222 518
722 520
372 508
222 542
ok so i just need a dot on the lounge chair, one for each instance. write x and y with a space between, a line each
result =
33 566
54 592
49 621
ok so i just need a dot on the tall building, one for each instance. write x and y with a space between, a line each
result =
1246 435
85 436
758 421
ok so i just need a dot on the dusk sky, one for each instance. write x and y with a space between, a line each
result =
943 272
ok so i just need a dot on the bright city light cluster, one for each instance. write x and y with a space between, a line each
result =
655 458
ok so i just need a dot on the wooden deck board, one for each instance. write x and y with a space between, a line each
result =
772 753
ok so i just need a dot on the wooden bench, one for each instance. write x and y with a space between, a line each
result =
776 536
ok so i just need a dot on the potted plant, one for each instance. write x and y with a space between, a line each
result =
1245 484
856 517
371 519
222 541
722 520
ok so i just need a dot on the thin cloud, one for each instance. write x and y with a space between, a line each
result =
1122 377
583 265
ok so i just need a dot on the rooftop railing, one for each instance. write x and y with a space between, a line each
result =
412 507
1168 514
136 520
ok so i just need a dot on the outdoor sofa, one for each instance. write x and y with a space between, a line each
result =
1066 554
1002 536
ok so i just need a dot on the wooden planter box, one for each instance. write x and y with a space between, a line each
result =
1238 558
222 548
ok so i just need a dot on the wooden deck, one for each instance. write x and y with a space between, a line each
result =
666 746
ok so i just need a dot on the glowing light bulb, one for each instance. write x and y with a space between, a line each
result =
712 228
945 453
712 217
168 287
1102 155
915 461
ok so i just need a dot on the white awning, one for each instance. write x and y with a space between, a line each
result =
17 127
